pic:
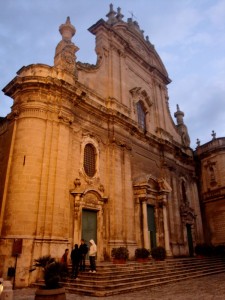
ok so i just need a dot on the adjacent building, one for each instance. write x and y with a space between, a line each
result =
210 161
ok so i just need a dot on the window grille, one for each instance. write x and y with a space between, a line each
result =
89 160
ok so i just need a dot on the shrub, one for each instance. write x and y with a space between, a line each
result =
53 270
142 253
120 253
158 253
204 249
219 250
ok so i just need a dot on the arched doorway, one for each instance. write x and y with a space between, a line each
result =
151 226
190 240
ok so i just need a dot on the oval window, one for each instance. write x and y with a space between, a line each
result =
89 160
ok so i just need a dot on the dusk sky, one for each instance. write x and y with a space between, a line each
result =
189 36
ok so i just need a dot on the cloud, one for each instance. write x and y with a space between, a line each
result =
187 34
216 14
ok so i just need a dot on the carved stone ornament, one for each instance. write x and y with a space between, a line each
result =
91 199
187 214
139 94
66 118
164 185
139 48
68 56
77 183
101 188
76 209
14 114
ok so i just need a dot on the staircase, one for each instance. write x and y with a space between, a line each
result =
113 279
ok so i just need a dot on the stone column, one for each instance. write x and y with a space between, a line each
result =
166 227
145 224
76 232
77 214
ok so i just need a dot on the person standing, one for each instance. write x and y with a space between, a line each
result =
92 256
64 260
83 251
75 258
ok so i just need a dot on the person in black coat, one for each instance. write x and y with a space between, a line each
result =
83 251
75 258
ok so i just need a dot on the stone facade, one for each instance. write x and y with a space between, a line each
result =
210 160
143 191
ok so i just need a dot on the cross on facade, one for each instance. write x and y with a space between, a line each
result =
213 135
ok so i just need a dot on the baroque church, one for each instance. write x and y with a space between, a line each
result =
91 151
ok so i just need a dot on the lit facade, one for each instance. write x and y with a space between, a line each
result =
91 151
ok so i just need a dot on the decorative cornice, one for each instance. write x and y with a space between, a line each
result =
65 117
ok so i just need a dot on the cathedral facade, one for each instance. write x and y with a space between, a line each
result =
91 151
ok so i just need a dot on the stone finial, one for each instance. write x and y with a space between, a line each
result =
213 135
148 41
65 58
111 15
198 142
119 16
179 116
67 30
182 128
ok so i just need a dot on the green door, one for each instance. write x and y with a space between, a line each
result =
190 240
151 226
89 225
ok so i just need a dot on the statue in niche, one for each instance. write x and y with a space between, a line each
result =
212 175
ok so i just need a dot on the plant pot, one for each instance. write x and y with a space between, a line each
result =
119 260
54 294
200 256
142 260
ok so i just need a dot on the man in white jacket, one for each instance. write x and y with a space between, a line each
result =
92 255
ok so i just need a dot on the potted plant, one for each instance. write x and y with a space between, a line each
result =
219 250
202 250
158 253
142 254
120 255
53 272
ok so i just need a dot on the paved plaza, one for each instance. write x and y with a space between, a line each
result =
204 288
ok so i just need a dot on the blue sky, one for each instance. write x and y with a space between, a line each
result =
189 36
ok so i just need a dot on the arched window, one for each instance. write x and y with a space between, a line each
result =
141 114
184 196
90 160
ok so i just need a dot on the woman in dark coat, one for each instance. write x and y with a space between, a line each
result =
75 258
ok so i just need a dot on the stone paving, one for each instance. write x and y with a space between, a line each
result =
204 288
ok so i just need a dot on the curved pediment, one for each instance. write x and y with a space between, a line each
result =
142 47
130 37
147 180
140 94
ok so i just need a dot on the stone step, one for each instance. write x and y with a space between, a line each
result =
118 289
136 287
137 276
101 283
113 279
142 270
